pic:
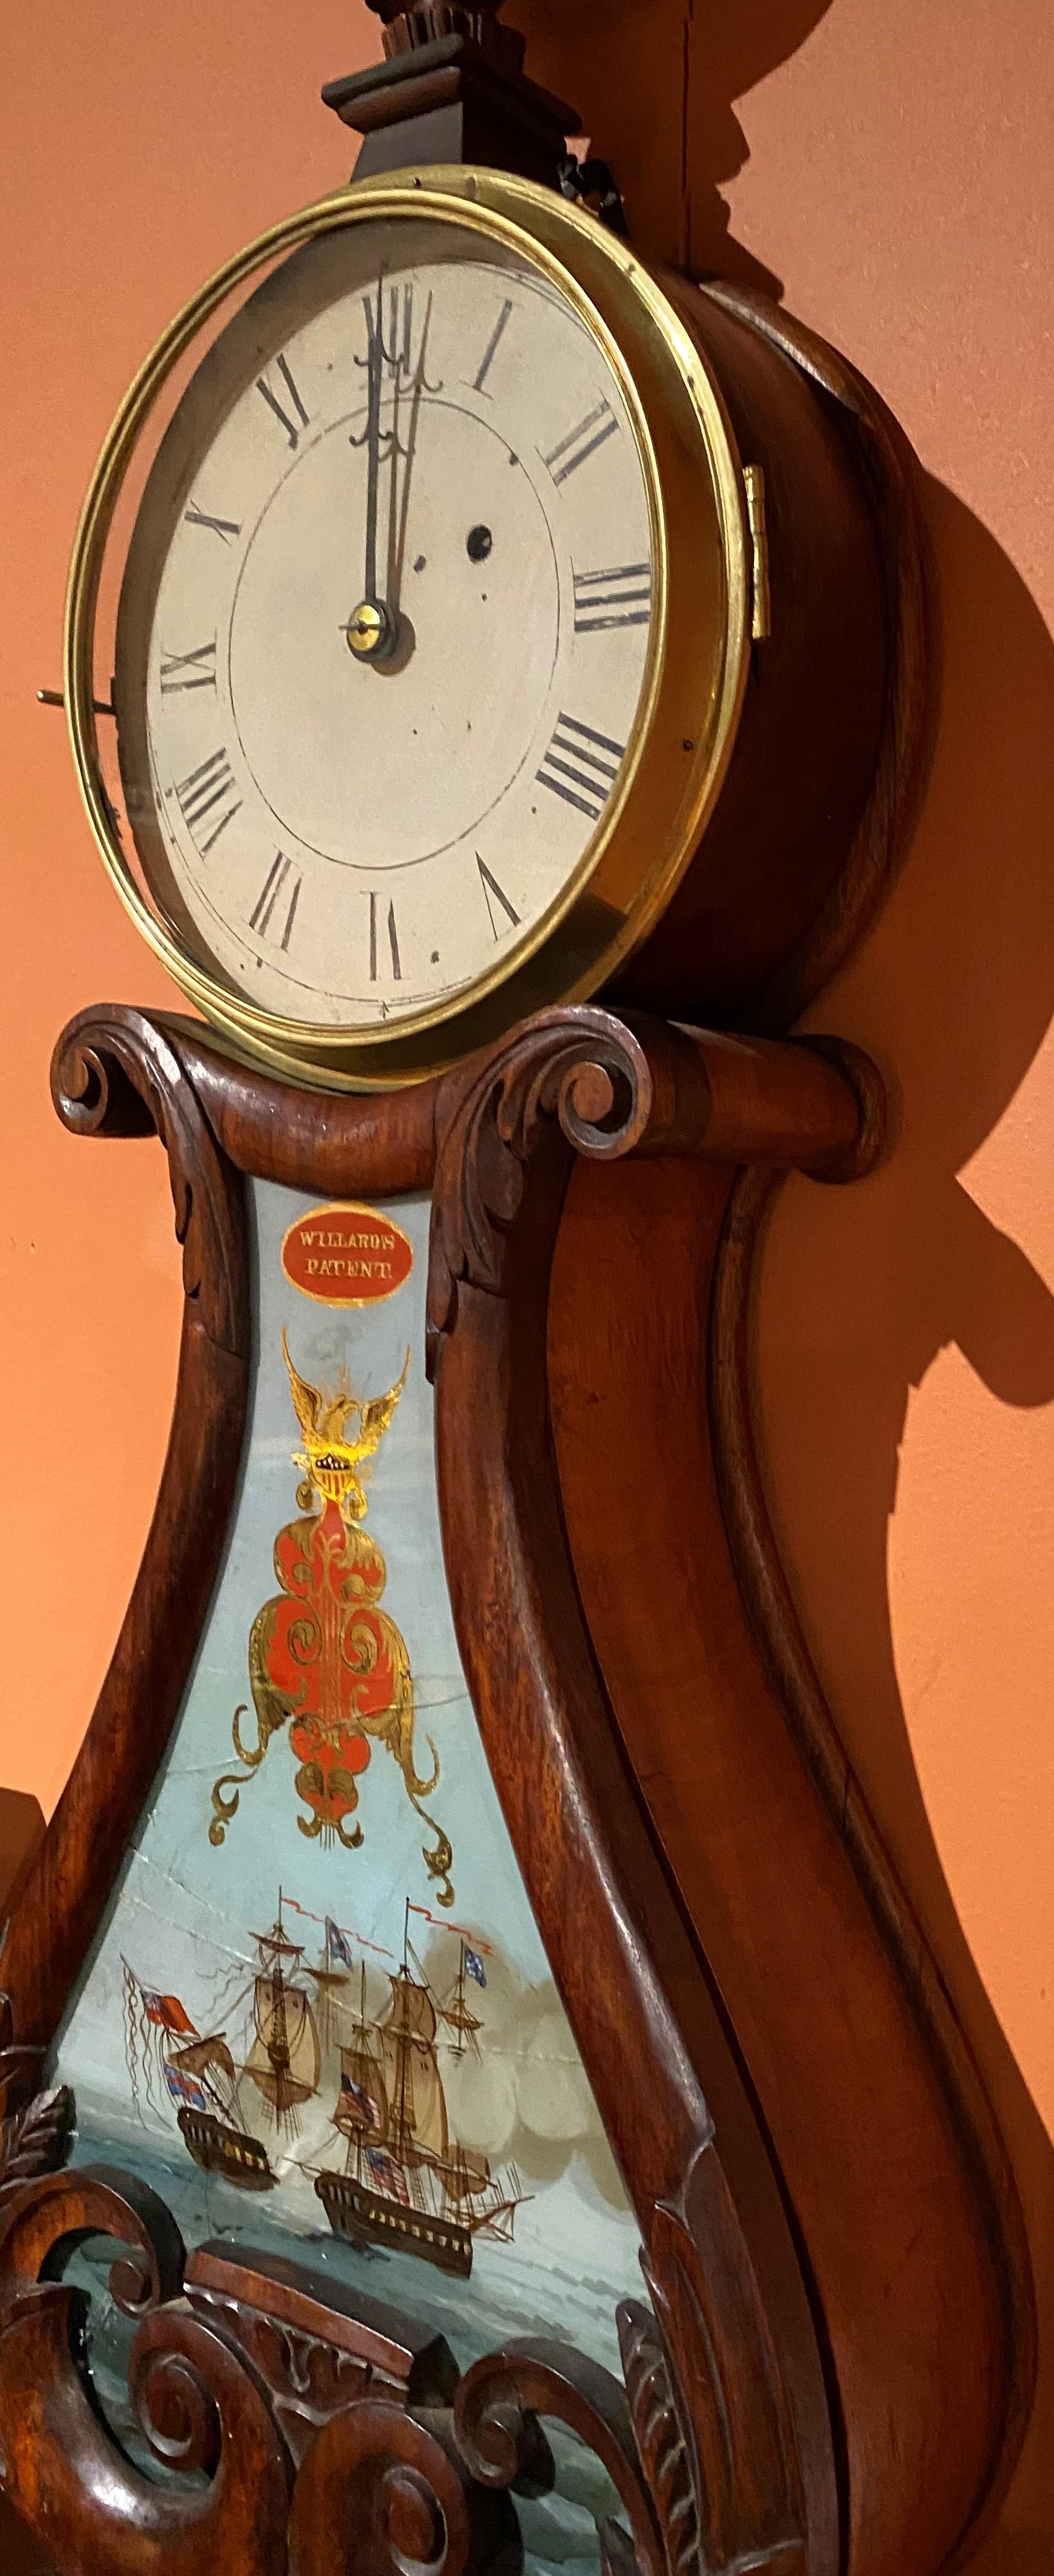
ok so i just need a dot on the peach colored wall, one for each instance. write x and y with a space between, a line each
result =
888 164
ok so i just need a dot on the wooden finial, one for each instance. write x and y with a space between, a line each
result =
424 22
452 88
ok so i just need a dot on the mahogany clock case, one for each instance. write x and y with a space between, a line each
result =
823 2362
835 2364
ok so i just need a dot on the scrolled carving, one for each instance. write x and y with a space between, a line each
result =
378 2493
119 1073
576 1079
36 2141
660 2436
175 2408
201 2405
93 2200
707 2312
36 2138
496 2409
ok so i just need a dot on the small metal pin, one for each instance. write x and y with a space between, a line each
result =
55 698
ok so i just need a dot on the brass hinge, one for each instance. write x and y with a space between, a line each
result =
761 607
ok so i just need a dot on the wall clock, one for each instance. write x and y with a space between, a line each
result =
463 1974
500 619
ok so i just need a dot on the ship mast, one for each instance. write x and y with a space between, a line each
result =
285 2057
404 2116
458 2015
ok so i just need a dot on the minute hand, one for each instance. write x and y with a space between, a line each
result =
373 453
399 486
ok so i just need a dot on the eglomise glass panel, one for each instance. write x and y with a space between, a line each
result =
318 2016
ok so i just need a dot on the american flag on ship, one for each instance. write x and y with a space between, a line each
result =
357 2093
185 2090
387 2174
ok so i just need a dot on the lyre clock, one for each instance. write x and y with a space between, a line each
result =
500 620
494 621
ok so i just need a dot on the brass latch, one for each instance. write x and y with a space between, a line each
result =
761 610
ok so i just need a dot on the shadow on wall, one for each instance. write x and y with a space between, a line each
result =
954 993
660 79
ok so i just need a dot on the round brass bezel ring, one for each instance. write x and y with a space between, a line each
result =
549 967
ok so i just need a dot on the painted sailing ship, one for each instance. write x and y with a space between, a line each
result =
406 2180
203 2077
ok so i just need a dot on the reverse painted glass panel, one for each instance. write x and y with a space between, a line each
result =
319 2014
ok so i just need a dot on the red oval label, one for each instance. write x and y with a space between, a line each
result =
346 1256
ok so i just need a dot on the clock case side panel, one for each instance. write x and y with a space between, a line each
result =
729 2274
878 2120
116 1072
833 741
756 2007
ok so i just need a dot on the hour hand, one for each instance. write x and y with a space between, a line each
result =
371 630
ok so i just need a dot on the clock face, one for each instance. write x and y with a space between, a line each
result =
386 627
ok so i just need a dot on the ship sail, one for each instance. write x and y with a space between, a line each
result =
329 1979
210 2059
467 2175
285 2059
418 2114
204 2054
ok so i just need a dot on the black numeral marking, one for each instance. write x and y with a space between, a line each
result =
619 597
390 341
284 880
209 790
491 888
195 670
274 403
222 528
581 765
490 351
579 443
393 942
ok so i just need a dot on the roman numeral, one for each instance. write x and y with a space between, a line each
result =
579 443
196 670
275 884
620 597
391 345
581 765
491 887
393 942
225 529
490 351
206 791
272 399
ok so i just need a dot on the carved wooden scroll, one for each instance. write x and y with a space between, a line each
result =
833 2363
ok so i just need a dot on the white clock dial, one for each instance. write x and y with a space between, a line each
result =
391 619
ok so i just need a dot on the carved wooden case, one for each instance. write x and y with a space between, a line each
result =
828 2362
822 2364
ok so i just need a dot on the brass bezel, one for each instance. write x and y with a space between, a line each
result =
689 707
